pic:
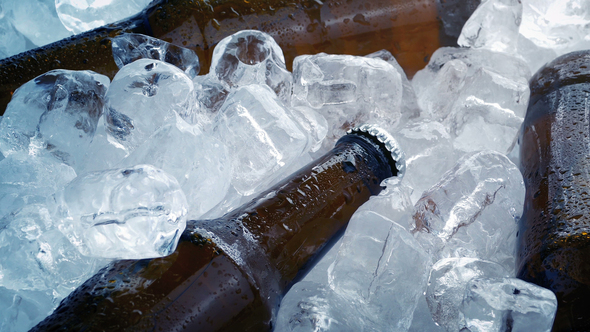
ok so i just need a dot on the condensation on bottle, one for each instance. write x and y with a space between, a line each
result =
410 29
554 231
229 274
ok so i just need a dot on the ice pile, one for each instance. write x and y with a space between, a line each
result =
93 162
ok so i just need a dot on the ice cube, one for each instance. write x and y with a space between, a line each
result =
348 90
261 136
311 306
26 179
380 263
104 152
446 287
129 47
13 42
488 112
83 15
454 76
562 26
198 161
472 211
493 26
128 213
34 255
60 109
210 93
252 57
37 20
145 95
429 154
409 106
21 310
498 304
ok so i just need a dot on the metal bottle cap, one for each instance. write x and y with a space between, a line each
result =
387 144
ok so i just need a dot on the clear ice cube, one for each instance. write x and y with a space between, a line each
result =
446 287
198 161
380 263
496 304
348 90
310 306
252 57
37 20
261 135
478 86
83 15
127 213
12 41
493 26
472 211
145 95
27 179
129 47
429 154
58 112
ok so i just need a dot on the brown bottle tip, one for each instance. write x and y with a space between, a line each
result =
386 143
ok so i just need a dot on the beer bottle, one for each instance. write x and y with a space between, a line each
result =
410 29
554 231
229 274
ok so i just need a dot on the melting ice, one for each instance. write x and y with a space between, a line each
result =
433 252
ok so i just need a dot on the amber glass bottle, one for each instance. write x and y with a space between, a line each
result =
411 29
229 274
554 231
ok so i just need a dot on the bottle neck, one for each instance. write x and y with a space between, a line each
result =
285 227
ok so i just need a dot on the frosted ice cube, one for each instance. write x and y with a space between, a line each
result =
313 123
534 55
61 108
129 47
311 306
452 76
493 304
37 20
128 213
143 96
493 26
83 15
488 112
260 134
559 25
472 211
446 287
252 57
422 320
198 161
380 263
348 90
429 154
34 255
104 152
13 42
21 310
25 179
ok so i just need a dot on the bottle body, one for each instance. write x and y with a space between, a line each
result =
410 29
553 247
230 273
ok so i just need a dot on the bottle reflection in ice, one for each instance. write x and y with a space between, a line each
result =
410 29
230 273
554 232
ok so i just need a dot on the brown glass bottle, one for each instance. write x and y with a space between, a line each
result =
554 231
410 29
229 274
